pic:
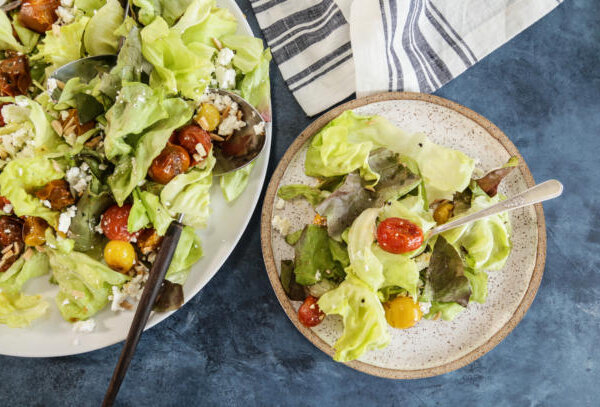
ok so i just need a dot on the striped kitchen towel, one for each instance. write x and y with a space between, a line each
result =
329 49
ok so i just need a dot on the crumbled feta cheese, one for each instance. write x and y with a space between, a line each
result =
52 84
230 124
7 208
201 150
84 326
78 178
66 3
66 302
225 77
280 204
102 167
224 57
117 299
135 287
282 225
64 114
98 227
318 275
425 306
65 15
64 220
259 128
46 203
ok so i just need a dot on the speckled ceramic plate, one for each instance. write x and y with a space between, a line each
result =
52 336
432 347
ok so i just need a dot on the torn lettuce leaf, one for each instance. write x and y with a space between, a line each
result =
62 46
137 107
138 218
218 23
248 51
256 86
490 181
7 39
315 259
365 265
398 270
170 10
156 213
130 171
26 174
345 204
188 252
395 178
445 310
188 194
195 13
312 194
235 182
21 271
486 241
446 274
478 281
100 37
177 67
18 310
365 326
90 208
89 6
84 283
28 38
344 144
26 120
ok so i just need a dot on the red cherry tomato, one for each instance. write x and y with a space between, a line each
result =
114 223
397 235
189 137
309 313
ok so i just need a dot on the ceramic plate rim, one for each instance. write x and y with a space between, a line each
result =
266 230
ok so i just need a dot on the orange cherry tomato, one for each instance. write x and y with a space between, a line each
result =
397 235
189 137
114 223
309 313
402 312
38 15
172 161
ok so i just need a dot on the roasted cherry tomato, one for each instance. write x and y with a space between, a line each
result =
71 124
11 230
208 117
38 15
189 137
56 192
2 122
119 255
15 78
402 312
34 231
237 145
148 241
443 212
309 313
114 223
172 161
397 235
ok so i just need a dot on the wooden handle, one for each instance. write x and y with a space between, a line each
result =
151 289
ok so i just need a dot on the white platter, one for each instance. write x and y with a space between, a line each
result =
53 336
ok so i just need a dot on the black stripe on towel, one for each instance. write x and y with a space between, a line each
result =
407 46
388 45
319 64
332 67
394 17
453 31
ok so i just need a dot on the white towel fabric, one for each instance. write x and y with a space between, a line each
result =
329 49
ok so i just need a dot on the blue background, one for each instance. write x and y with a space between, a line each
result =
233 344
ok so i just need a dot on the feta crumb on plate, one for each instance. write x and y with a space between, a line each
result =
230 124
224 56
282 225
87 326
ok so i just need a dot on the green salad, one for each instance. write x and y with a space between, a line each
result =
366 256
93 172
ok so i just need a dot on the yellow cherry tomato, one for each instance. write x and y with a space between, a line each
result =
119 255
443 212
402 312
208 117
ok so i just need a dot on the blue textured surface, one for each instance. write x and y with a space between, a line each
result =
233 344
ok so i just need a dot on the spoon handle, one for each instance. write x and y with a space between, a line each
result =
151 290
542 192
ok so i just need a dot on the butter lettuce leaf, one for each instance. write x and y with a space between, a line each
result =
21 271
28 38
188 252
234 183
255 87
62 46
248 51
84 283
18 310
7 39
130 171
188 194
26 174
100 37
137 107
365 326
445 310
343 145
312 194
218 23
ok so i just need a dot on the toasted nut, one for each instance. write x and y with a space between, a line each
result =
217 43
216 137
57 127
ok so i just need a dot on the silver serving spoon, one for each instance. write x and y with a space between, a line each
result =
542 192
